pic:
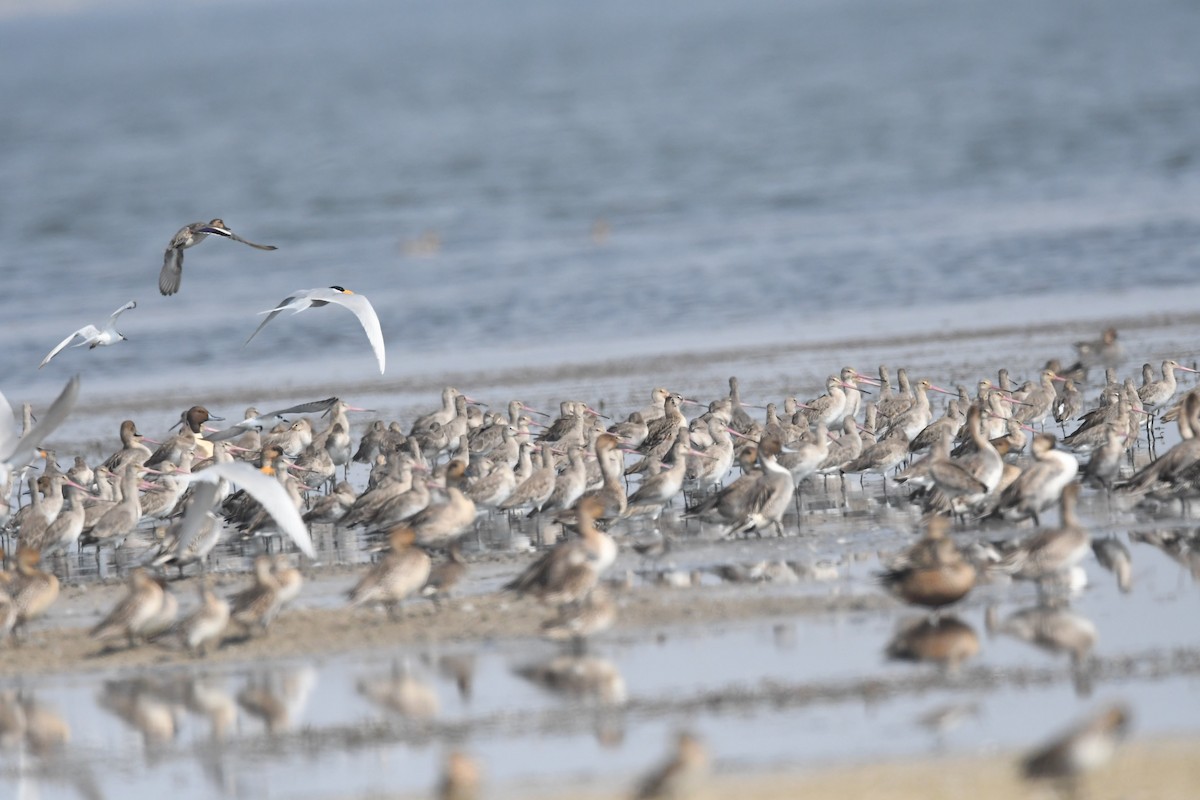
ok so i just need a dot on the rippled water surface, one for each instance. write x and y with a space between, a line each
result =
533 174
533 183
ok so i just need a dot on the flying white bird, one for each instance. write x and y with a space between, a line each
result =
189 236
262 487
357 303
92 336
16 451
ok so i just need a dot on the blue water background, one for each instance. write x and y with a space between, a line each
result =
593 173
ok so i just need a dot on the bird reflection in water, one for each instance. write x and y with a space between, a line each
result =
402 692
206 696
28 726
1055 629
1113 555
1181 546
25 721
456 667
587 678
278 699
146 706
940 721
946 641
590 680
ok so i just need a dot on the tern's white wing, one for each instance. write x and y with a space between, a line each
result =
270 417
85 332
302 299
204 498
272 313
112 318
8 425
267 491
20 451
365 312
89 335
304 408
359 305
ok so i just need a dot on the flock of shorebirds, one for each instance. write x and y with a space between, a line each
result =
436 483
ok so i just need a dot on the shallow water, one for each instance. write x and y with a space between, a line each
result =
623 196
762 692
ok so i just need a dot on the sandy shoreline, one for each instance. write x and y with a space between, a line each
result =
66 647
1158 770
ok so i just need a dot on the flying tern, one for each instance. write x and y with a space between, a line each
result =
313 298
271 417
258 484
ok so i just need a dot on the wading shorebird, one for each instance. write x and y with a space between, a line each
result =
933 572
567 573
1085 747
401 572
681 776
